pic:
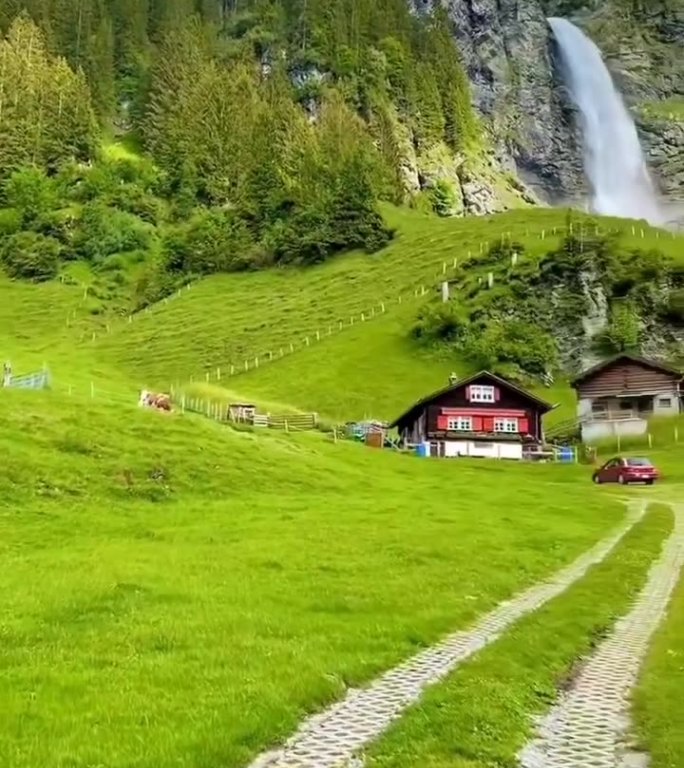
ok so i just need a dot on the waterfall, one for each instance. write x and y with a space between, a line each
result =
613 159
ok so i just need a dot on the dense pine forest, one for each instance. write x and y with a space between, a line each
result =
216 135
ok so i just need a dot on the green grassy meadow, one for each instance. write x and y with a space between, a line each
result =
183 593
180 593
661 722
228 320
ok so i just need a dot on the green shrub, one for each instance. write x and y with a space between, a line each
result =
133 199
31 256
155 283
31 193
443 198
214 241
622 333
512 348
102 231
441 322
10 222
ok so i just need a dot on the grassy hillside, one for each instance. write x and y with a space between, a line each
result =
152 561
224 323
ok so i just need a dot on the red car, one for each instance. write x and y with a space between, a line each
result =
624 471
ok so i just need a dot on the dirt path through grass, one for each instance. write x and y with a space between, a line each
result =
332 738
590 723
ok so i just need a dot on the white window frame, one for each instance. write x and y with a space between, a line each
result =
507 426
482 393
460 424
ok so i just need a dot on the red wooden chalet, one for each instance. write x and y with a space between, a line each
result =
483 415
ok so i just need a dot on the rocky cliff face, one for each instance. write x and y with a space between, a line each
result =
510 57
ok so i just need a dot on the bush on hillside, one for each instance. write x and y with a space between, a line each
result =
214 241
441 322
30 256
154 284
10 222
512 348
101 231
443 198
31 194
622 333
133 199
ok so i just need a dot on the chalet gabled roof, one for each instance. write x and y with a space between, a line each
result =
623 356
541 404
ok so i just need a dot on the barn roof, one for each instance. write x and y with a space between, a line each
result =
541 404
625 357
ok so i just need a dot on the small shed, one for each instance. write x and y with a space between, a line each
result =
242 412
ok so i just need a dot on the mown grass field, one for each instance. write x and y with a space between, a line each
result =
482 715
224 321
176 593
660 720
373 370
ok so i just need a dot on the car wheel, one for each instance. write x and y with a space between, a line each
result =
597 479
621 480
650 482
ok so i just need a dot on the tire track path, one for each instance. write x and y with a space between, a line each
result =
590 724
332 738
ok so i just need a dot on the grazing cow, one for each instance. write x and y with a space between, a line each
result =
155 400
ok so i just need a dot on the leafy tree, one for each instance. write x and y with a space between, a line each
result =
31 193
30 256
622 333
512 348
214 241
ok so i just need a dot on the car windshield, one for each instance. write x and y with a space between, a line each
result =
638 463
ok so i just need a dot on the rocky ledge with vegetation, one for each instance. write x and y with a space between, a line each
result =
530 318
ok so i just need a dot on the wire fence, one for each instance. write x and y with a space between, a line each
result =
443 271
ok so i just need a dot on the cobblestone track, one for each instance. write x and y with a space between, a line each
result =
589 727
332 738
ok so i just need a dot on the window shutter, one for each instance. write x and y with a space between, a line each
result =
523 426
468 395
477 423
442 422
497 394
488 425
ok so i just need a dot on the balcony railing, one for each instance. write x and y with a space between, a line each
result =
620 414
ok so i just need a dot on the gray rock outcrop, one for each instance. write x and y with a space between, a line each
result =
508 53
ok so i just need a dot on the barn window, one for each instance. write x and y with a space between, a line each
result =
506 425
460 424
482 394
665 402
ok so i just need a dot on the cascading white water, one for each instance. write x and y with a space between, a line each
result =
613 160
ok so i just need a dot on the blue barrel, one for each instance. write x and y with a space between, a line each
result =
566 455
422 450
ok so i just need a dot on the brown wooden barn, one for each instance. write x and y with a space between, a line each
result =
483 415
618 395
